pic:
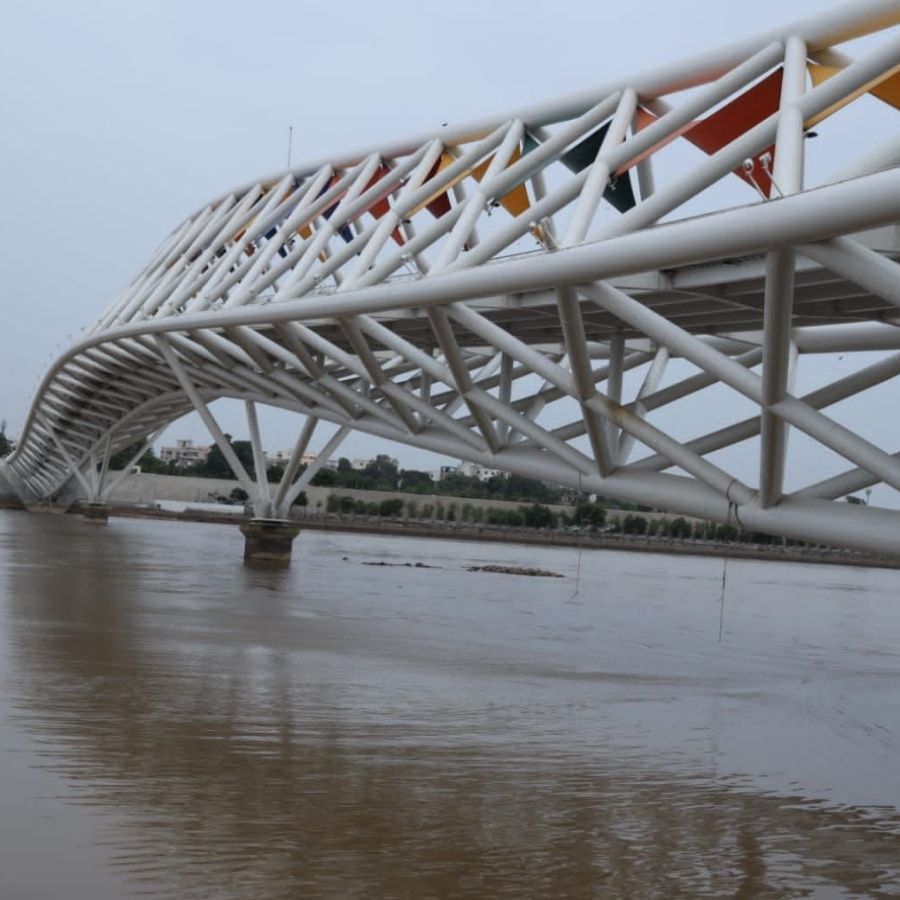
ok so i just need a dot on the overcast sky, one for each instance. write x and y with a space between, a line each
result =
119 119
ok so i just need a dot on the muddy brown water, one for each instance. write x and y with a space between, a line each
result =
173 724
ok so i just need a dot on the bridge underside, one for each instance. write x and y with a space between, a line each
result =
487 292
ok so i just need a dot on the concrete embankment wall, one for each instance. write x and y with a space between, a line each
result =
145 488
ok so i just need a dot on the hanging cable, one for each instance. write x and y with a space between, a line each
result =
733 514
722 598
766 162
748 167
580 548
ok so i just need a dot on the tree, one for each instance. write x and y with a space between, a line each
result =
239 495
457 485
344 465
637 525
538 516
382 472
592 514
414 482
324 478
726 533
216 466
5 445
149 462
392 507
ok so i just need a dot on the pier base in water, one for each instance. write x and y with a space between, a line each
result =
269 541
97 513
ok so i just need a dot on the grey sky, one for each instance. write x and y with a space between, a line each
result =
119 119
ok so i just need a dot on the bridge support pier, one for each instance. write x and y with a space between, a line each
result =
269 541
97 513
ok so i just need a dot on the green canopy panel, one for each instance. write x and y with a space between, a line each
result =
619 192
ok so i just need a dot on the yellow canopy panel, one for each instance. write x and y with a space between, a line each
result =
885 87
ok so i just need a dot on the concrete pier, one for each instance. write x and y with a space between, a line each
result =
269 541
96 513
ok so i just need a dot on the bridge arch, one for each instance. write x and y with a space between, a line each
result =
452 290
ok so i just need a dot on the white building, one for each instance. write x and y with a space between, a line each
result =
281 457
184 453
276 457
473 470
360 464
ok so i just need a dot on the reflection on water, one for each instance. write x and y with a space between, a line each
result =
339 730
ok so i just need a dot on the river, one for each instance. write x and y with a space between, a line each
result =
173 724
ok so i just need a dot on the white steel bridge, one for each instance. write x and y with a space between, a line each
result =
397 291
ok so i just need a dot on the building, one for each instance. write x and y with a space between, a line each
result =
185 453
281 458
473 470
359 464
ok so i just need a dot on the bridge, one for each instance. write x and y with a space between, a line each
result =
482 291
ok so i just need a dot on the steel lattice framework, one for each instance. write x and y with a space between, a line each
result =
390 291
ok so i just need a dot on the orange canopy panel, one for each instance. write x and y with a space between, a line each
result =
886 88
516 201
438 204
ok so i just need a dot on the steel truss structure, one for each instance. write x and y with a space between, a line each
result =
397 291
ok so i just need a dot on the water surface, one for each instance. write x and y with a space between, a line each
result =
173 724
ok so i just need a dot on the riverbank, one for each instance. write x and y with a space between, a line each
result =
505 535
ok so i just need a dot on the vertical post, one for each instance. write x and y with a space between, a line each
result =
104 466
505 394
787 177
646 182
290 470
425 386
262 506
651 383
614 382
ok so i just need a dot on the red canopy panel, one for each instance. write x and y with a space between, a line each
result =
382 205
726 125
